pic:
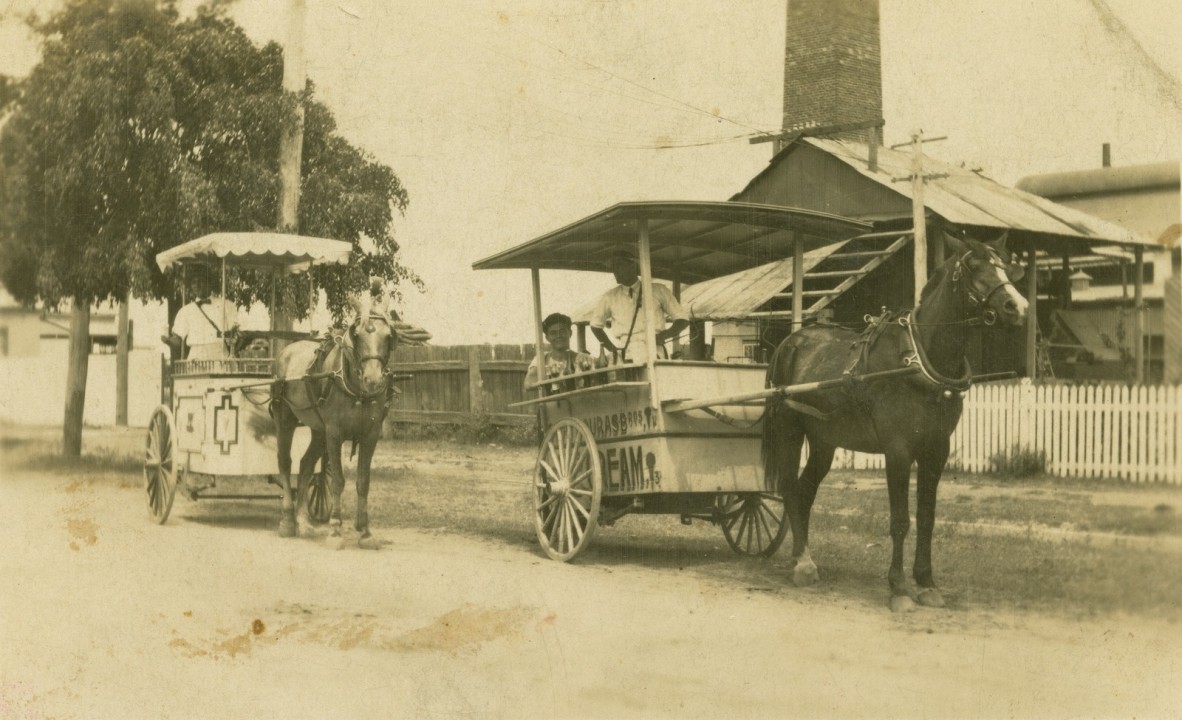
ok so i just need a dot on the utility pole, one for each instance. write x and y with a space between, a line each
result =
121 358
918 210
291 141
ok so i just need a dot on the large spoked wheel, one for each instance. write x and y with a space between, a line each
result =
754 523
568 489
160 470
318 497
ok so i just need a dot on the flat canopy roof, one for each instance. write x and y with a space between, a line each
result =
689 241
290 253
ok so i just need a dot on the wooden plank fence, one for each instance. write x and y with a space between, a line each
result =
461 383
1103 430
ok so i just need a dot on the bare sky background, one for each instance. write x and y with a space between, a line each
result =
508 119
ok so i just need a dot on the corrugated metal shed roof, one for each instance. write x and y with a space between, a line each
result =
689 241
964 197
737 295
734 296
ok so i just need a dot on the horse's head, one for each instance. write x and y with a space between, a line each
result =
988 272
373 339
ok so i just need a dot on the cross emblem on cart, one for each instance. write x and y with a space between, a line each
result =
225 424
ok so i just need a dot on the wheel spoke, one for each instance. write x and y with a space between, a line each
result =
549 469
563 461
547 502
582 510
578 479
582 493
579 525
570 540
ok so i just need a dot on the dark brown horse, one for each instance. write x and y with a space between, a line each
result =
907 418
340 389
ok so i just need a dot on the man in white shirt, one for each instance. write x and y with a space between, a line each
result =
201 324
622 306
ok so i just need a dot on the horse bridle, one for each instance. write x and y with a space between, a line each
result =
383 359
359 361
976 299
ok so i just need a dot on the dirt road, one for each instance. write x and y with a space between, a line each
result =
106 615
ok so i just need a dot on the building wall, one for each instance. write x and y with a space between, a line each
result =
20 334
808 178
33 388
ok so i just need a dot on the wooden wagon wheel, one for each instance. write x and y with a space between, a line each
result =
753 523
318 507
568 489
160 471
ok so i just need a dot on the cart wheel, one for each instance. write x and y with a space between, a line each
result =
568 488
160 464
753 523
318 498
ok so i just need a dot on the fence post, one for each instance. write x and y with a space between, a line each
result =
475 382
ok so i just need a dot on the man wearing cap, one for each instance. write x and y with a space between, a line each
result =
560 359
200 325
622 305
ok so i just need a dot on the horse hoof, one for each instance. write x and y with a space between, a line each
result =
805 575
930 597
287 528
902 603
335 542
368 542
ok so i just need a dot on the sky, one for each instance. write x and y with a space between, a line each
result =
507 119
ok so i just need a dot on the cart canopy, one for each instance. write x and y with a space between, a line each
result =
288 253
689 241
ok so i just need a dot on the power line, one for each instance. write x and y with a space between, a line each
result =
1169 85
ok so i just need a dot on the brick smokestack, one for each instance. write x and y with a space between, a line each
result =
832 65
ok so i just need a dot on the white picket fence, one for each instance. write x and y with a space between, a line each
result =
1114 431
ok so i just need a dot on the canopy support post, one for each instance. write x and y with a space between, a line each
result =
540 348
650 317
1139 312
797 282
1031 313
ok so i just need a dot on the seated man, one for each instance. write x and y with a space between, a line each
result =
560 359
622 306
200 325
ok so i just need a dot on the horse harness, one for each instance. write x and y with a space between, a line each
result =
943 387
327 380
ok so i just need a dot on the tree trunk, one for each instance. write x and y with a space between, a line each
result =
122 341
79 358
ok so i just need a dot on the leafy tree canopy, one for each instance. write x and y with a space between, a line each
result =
140 129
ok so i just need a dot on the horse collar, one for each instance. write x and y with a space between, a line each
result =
919 358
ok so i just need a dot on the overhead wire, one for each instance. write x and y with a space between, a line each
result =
672 102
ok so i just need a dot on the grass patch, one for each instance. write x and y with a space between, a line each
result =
480 431
43 456
1019 463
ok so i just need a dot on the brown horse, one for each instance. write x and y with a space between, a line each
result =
340 389
907 418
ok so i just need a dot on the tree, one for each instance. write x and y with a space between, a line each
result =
139 130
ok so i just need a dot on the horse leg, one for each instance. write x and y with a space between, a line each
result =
364 457
898 472
336 485
815 470
783 438
307 467
285 425
930 467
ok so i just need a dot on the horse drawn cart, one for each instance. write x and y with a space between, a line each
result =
678 436
214 437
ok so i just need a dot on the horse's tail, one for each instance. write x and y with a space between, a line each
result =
775 448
